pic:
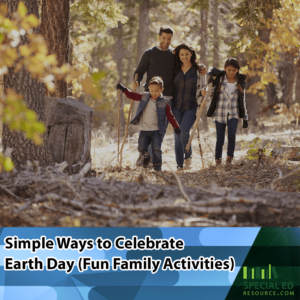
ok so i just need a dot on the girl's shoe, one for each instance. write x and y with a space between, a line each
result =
229 160
218 162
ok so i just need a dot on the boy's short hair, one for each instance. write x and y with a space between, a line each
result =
157 81
166 29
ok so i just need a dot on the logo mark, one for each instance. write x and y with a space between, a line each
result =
259 273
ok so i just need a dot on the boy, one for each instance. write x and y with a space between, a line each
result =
151 115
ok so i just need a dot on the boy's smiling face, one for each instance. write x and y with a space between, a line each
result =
155 90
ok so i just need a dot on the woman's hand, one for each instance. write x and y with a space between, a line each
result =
203 92
203 71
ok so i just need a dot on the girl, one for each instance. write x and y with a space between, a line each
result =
187 93
227 105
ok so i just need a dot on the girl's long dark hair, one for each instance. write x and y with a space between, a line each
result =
232 62
178 62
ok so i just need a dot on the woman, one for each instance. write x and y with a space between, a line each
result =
188 92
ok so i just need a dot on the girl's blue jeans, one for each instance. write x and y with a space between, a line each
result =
220 127
185 119
153 138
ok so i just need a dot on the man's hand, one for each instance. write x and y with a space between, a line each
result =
121 87
178 130
135 85
203 92
245 123
203 71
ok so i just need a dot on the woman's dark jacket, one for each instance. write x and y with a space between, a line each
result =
215 76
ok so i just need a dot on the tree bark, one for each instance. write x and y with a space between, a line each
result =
252 100
14 142
119 61
216 33
203 57
55 29
286 75
143 33
142 44
297 89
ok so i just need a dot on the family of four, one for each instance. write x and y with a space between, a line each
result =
175 86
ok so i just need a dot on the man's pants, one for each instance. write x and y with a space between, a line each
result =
153 138
220 127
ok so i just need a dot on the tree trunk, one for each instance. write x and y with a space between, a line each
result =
55 29
119 61
142 44
271 94
252 100
143 33
14 142
286 75
216 33
297 89
203 57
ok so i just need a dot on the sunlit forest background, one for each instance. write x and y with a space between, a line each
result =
113 53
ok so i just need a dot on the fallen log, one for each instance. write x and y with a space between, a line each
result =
68 124
44 197
289 153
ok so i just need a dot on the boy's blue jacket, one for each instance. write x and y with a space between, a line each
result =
215 76
161 104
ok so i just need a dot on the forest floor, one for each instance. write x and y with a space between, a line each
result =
258 190
245 172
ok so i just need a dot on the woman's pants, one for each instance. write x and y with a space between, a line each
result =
220 127
185 119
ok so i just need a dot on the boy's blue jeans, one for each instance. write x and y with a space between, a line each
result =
185 119
150 147
153 138
220 127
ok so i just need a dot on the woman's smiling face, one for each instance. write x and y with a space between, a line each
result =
185 55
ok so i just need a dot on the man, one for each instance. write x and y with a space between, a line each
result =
158 61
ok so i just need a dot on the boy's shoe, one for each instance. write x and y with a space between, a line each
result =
139 161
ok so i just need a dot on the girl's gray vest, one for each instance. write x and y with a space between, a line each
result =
161 104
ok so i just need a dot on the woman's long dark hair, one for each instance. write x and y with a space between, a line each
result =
178 62
232 62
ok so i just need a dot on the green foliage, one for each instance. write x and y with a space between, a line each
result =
18 117
251 15
256 146
102 14
200 4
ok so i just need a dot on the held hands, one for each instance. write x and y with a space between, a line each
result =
121 87
178 130
245 123
135 85
203 71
